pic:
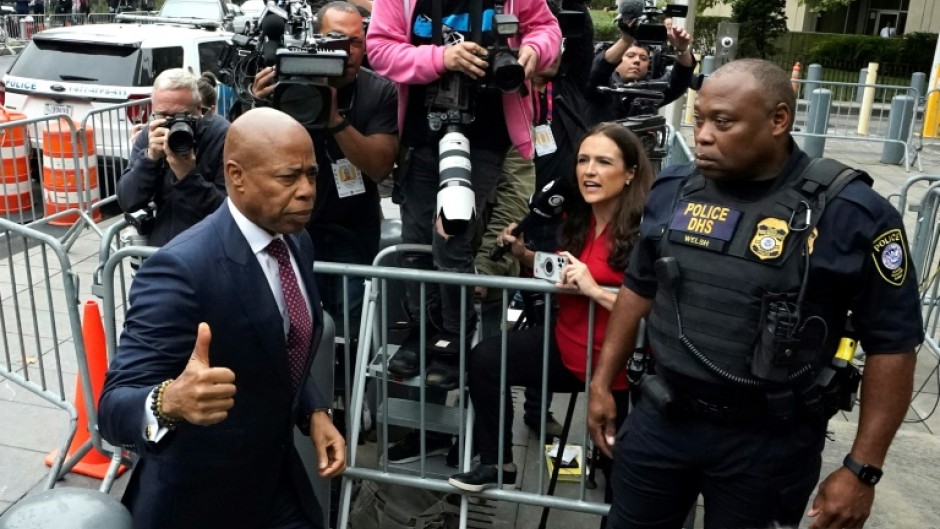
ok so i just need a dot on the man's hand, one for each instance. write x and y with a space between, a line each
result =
263 85
180 164
529 59
201 394
602 419
329 444
516 244
680 38
843 502
156 138
466 57
335 117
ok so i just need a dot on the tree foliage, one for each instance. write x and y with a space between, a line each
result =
820 6
761 21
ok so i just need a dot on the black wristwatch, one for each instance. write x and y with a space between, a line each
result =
869 475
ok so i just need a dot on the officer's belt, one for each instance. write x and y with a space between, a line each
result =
714 403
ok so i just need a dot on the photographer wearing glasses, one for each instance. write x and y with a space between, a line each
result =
357 150
176 160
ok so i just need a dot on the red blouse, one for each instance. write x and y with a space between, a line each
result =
571 329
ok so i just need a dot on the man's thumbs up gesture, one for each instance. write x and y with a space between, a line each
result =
202 394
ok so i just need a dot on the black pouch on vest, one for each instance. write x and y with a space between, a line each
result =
778 345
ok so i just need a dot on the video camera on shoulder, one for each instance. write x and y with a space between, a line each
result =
284 38
643 21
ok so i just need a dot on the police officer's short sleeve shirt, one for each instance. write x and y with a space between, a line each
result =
860 262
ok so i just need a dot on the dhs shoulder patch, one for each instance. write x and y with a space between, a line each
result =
889 251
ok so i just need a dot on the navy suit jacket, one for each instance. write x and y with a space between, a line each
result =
231 473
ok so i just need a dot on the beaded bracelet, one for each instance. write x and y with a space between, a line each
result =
156 406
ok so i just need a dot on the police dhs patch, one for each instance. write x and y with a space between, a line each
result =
767 242
889 252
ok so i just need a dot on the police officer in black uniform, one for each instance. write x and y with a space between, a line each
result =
747 266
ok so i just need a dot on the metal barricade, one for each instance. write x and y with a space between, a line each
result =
677 151
114 126
928 116
43 346
845 113
372 356
113 285
62 184
101 18
61 20
19 29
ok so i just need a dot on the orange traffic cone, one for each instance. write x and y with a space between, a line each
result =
94 463
795 74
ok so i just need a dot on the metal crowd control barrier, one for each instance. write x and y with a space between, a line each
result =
101 18
929 121
113 126
678 151
845 113
372 356
924 237
18 29
67 192
38 317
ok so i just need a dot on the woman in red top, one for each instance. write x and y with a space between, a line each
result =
614 177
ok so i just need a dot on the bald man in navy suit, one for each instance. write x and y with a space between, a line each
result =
212 370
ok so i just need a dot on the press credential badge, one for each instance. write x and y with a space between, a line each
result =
544 140
348 179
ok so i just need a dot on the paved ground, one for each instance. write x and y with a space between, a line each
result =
31 427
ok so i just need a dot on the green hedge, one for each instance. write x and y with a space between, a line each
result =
856 51
605 29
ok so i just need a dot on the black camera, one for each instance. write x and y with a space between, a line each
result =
643 21
503 71
181 132
284 38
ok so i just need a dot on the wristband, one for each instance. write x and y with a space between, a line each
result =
339 127
683 50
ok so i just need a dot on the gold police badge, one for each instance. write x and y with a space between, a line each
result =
768 238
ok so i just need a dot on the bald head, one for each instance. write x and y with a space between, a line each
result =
270 170
774 84
251 137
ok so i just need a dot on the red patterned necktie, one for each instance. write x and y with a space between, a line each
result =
301 325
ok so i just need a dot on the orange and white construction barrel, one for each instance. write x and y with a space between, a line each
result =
69 178
15 185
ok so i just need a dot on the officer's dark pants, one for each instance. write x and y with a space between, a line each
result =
751 474
454 254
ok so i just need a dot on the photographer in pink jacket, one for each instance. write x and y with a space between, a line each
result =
462 99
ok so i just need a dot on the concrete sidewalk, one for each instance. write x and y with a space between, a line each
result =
31 427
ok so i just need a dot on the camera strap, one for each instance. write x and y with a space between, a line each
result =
437 22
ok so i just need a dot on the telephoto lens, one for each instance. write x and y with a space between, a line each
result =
456 203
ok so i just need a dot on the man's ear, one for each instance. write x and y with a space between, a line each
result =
235 175
782 119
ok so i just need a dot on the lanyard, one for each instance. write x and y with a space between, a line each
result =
538 104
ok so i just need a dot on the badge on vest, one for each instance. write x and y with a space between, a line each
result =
768 238
890 254
706 226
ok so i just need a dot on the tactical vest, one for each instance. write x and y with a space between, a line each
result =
737 260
